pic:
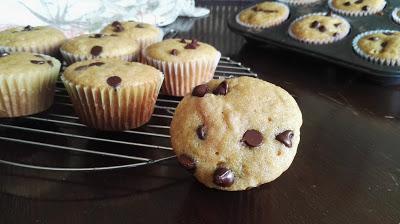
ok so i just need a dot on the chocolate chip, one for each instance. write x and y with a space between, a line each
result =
28 28
373 38
337 24
200 90
335 34
187 162
37 62
329 13
195 42
223 177
99 63
50 63
174 52
347 3
96 50
116 23
384 44
190 46
322 28
269 11
285 138
256 9
139 25
4 54
201 132
359 1
365 8
252 138
183 41
114 81
315 24
80 68
97 35
119 28
222 88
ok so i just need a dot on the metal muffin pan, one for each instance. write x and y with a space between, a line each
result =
340 52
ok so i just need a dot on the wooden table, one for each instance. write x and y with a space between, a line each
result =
347 169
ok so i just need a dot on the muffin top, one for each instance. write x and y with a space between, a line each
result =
132 30
26 63
111 73
319 27
384 45
359 5
236 134
180 50
100 45
31 36
265 14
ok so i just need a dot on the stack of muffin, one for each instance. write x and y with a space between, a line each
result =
109 90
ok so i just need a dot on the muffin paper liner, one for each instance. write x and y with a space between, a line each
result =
24 94
273 23
355 13
381 61
327 41
395 17
71 58
299 2
114 109
145 42
182 77
47 50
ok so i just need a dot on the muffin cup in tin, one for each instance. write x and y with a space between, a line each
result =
395 16
319 42
361 53
355 13
299 2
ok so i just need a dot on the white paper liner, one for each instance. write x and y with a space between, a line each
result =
299 2
71 58
356 13
26 94
114 110
182 77
145 42
381 61
47 50
395 17
273 23
312 41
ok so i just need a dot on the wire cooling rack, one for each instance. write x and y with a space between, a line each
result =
55 140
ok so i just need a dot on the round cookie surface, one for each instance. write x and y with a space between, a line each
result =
236 134
263 15
357 7
319 28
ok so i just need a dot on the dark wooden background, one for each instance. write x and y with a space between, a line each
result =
347 169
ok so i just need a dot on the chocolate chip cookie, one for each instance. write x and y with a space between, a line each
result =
237 133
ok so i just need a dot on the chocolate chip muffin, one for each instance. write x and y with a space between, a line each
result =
142 33
357 7
39 39
263 15
27 83
237 133
380 46
111 94
319 28
99 45
185 63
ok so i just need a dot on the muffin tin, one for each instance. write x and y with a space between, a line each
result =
340 52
